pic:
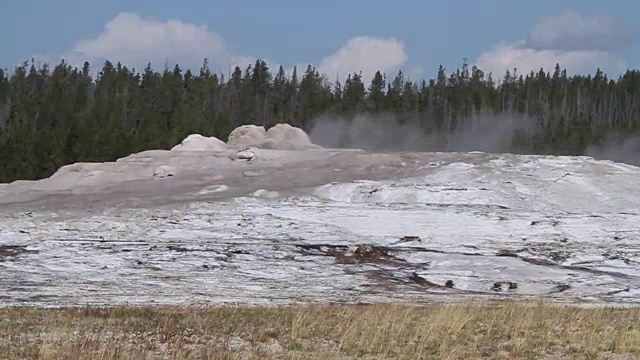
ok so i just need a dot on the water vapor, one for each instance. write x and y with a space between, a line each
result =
492 133
487 133
617 148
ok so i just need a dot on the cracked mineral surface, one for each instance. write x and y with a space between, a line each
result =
272 226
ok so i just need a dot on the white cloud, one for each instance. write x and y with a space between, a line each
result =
135 41
366 54
571 31
504 57
579 44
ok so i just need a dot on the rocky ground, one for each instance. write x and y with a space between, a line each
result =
260 226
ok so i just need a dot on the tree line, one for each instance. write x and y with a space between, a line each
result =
52 116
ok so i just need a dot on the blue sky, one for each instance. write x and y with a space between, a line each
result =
415 36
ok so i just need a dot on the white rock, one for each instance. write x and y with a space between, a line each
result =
279 137
213 189
246 154
286 137
197 142
263 193
251 173
164 171
246 136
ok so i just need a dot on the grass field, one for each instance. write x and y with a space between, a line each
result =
509 330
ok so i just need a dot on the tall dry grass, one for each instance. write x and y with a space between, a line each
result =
510 330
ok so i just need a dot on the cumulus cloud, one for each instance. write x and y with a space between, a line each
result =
366 54
504 57
135 41
574 32
581 44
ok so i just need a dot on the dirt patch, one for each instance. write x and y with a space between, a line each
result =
370 254
424 282
504 285
558 257
408 238
560 288
362 254
7 251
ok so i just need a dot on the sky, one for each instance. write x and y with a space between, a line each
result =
337 37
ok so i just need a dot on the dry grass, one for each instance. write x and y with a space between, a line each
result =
460 331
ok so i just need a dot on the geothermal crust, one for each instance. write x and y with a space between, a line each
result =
270 218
